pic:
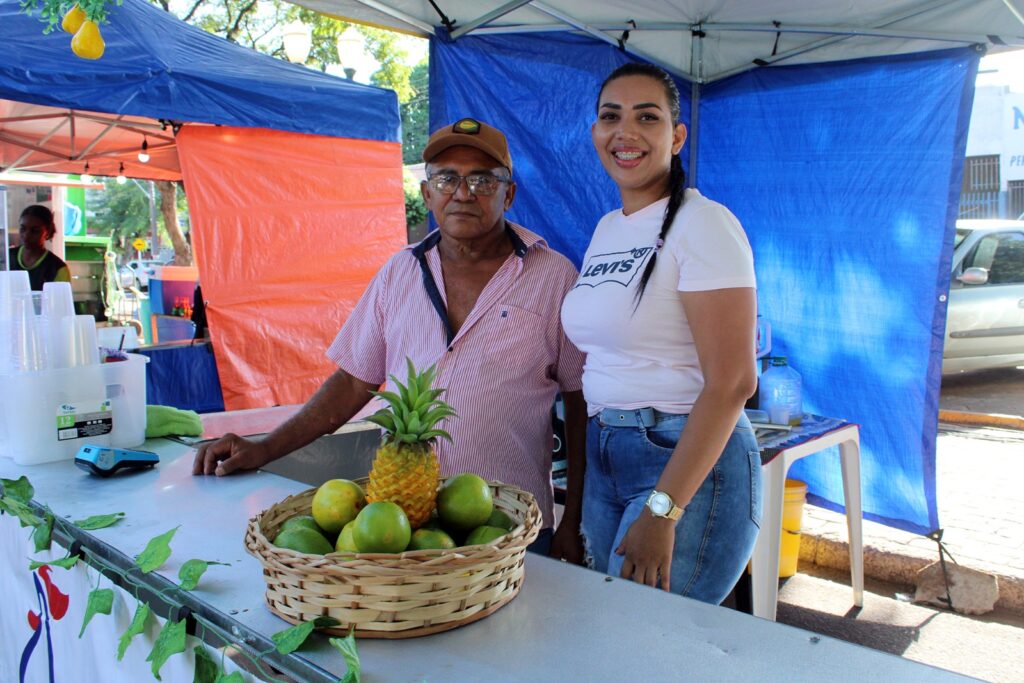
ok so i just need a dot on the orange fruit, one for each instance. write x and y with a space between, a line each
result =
430 539
336 503
303 540
381 527
73 20
465 502
88 43
484 534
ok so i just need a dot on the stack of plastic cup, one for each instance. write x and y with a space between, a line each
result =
12 283
87 350
28 350
58 325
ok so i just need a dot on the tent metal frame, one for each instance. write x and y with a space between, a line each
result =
880 28
70 118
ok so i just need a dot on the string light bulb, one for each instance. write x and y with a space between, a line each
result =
121 179
144 154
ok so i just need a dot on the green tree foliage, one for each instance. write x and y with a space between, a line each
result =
415 116
122 211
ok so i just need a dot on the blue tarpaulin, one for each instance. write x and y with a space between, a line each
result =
159 67
183 376
844 175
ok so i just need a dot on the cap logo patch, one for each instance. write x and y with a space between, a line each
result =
467 126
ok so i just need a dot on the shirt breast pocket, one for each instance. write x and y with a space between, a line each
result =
519 337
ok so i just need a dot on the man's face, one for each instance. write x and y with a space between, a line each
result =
465 215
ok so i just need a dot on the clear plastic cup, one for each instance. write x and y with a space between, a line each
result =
59 336
28 353
57 300
12 282
87 350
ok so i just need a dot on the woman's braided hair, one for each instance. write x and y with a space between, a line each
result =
676 176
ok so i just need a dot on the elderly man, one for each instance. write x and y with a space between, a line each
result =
481 299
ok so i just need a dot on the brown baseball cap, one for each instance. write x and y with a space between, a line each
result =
471 133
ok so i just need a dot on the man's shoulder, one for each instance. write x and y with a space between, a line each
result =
540 253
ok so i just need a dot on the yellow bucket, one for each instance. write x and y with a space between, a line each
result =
792 518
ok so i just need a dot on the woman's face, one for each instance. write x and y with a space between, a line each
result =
635 136
34 232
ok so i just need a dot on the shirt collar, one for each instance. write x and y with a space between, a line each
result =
521 238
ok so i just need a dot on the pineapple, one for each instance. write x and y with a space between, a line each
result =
405 469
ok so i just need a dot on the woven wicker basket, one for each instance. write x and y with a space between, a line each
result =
404 595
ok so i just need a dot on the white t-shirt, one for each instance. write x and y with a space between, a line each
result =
647 358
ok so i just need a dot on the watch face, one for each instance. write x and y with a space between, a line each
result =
660 504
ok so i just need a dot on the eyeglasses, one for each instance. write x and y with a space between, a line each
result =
481 184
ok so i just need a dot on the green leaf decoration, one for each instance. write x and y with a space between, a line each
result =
347 647
291 639
192 570
19 489
99 601
99 521
43 533
207 669
156 553
135 628
171 641
64 563
233 677
22 511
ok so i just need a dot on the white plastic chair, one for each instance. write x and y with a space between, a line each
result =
765 560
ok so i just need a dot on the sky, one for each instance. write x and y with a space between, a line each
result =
1005 68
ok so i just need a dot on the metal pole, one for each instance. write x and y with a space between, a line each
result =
152 220
697 72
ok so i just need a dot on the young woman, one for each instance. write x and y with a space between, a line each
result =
43 265
665 308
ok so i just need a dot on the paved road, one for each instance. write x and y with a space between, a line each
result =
989 647
985 391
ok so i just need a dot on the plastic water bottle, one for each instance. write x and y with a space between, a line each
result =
780 393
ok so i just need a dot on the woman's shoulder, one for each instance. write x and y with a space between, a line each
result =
698 214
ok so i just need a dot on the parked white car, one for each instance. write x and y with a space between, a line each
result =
985 318
141 270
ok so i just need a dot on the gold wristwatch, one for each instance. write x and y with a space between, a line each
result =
661 505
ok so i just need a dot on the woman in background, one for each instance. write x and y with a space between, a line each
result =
36 228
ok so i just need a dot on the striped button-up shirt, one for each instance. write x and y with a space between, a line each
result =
502 369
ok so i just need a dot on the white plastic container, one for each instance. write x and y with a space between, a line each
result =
50 414
780 393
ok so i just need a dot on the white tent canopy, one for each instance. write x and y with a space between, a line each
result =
706 40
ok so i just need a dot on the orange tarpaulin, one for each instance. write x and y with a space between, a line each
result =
288 229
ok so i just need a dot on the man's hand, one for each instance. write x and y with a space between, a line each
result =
229 453
567 544
648 549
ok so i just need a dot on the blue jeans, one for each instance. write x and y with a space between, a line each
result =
714 538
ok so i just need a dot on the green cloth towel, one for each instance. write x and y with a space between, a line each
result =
165 420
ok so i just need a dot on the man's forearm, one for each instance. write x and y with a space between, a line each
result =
575 450
334 404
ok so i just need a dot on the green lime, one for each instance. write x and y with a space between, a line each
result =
501 519
430 539
485 534
303 540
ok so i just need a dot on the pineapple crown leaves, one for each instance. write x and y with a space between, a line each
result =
415 410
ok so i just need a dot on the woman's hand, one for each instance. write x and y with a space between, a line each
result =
648 546
567 544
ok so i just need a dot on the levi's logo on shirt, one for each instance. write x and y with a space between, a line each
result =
619 267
